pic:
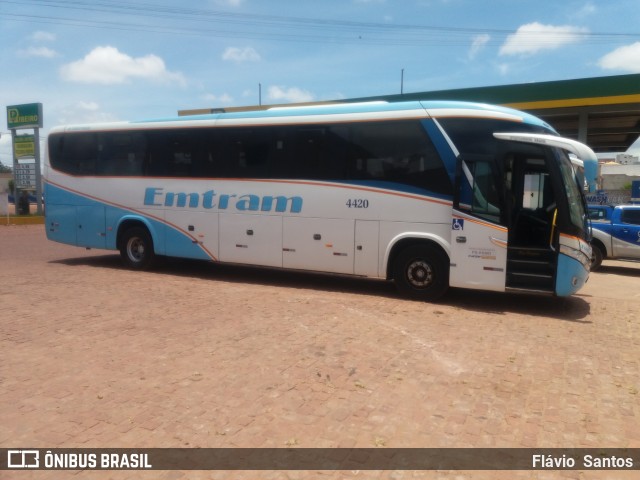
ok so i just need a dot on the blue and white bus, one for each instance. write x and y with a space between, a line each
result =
426 194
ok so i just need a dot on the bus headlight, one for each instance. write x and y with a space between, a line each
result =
578 255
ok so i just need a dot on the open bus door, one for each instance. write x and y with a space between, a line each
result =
479 236
504 230
504 217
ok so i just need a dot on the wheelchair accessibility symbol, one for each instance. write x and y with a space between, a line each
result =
458 224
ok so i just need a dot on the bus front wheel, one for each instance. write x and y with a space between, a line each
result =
421 272
136 248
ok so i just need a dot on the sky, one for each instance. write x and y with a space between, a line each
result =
92 61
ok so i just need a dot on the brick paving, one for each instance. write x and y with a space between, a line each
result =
200 355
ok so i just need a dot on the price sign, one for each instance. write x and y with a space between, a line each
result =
25 175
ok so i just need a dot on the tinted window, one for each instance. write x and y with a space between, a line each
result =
121 154
245 152
631 216
596 214
475 135
109 154
399 152
317 152
74 154
172 153
478 194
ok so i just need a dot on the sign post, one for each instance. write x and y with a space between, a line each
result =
27 173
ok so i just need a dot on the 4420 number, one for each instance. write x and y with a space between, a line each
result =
358 203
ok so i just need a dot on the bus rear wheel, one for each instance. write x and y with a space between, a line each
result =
136 248
421 272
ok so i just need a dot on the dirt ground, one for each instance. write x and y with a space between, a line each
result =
194 354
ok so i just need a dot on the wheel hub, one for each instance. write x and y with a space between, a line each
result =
136 249
420 274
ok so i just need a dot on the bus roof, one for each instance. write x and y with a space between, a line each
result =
352 111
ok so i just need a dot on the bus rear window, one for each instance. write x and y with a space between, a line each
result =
107 154
74 154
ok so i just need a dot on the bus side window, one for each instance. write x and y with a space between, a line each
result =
155 166
156 158
76 154
400 152
259 152
306 157
122 154
478 193
211 163
180 158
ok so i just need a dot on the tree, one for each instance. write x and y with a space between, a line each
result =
5 169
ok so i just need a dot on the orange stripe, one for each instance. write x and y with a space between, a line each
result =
571 236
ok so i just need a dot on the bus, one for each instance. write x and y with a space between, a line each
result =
426 194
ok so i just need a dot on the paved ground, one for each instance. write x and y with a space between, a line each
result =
198 355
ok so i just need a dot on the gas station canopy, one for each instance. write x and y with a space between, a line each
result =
603 112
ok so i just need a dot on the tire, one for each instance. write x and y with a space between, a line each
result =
596 257
421 272
136 248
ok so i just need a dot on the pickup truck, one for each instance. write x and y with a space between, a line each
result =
615 233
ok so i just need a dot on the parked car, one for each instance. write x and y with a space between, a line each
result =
615 233
32 199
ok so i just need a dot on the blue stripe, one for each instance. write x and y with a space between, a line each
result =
442 146
167 240
568 270
347 108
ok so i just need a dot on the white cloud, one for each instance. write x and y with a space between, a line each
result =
239 55
535 37
224 99
84 112
88 106
291 94
478 43
41 36
108 66
43 52
625 58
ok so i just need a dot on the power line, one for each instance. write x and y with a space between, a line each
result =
220 24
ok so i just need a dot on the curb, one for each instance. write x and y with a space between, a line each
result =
26 220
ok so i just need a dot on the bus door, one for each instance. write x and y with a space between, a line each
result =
479 235
533 236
